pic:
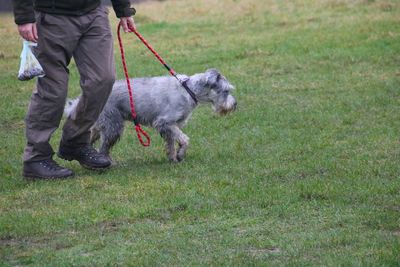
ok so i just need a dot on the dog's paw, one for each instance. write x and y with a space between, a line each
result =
173 159
176 159
180 158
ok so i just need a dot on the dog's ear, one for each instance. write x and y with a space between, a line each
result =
212 76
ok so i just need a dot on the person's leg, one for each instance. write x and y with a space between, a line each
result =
57 40
94 58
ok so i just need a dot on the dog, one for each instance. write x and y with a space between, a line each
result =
161 103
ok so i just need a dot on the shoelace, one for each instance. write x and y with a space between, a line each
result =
50 165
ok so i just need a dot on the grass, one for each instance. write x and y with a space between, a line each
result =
305 173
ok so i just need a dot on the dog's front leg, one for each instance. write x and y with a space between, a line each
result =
168 134
183 142
171 151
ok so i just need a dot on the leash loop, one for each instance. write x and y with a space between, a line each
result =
140 132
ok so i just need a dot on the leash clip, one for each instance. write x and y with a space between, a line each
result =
184 80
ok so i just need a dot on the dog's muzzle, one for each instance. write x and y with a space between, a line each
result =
228 106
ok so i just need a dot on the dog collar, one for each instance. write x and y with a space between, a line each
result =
183 82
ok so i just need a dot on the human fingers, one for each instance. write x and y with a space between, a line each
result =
124 25
26 32
35 32
131 23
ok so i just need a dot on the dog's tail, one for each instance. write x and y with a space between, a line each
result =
70 107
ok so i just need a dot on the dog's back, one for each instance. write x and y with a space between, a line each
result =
153 98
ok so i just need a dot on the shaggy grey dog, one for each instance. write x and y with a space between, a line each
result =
161 103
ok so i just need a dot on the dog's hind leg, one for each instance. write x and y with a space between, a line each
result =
110 134
94 134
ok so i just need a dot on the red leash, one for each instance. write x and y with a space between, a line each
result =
171 70
138 128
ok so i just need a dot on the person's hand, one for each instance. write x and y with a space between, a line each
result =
28 31
127 23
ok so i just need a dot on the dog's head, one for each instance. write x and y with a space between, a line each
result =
217 90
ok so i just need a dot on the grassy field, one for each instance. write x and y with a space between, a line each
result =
306 172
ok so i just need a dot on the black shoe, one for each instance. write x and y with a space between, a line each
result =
46 169
87 156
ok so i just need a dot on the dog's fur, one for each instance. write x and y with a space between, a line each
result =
161 103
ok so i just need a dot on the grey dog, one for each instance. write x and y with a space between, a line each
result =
161 103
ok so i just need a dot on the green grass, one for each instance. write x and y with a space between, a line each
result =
305 173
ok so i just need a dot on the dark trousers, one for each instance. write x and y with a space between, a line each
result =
88 40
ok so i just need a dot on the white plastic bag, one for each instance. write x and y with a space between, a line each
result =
30 66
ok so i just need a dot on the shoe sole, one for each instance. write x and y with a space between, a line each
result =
33 177
89 167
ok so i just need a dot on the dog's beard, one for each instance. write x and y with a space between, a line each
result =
228 106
